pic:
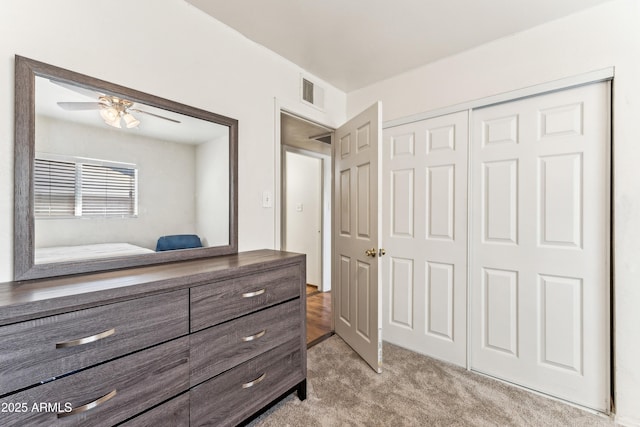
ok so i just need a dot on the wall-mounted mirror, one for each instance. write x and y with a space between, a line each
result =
108 177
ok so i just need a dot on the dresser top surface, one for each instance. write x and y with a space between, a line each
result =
24 300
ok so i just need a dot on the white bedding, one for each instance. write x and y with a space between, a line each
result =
87 252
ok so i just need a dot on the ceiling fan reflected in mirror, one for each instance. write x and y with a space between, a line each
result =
113 109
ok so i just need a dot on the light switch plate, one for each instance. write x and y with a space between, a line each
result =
267 199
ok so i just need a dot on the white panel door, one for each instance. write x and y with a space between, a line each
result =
539 272
424 226
303 211
356 235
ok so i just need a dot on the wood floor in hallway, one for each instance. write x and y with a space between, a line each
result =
318 316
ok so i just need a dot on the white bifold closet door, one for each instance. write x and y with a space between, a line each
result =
539 271
424 225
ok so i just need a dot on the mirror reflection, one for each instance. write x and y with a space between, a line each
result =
114 177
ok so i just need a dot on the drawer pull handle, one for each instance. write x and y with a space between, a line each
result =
89 405
254 382
254 293
86 340
254 336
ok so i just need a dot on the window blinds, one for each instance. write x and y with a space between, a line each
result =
54 188
77 189
107 191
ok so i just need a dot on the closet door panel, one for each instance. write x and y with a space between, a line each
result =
425 236
539 267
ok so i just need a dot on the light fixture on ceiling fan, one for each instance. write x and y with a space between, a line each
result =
115 109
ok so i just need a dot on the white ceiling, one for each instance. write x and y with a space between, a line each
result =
353 43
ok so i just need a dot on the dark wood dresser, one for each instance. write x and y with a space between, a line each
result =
202 342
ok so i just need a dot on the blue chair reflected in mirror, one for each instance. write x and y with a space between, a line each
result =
178 241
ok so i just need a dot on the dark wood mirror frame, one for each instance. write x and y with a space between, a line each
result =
26 71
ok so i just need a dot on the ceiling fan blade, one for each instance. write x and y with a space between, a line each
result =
78 106
154 115
83 91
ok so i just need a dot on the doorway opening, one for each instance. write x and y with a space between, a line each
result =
306 171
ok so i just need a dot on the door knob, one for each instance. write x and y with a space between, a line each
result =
370 252
381 252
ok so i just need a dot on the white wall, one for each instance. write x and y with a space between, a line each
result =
169 49
303 211
212 191
166 201
605 36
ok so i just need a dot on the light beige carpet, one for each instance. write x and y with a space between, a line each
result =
413 390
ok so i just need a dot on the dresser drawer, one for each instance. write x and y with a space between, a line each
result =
221 301
231 397
174 413
37 350
106 394
218 349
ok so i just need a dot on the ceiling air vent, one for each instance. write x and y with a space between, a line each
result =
312 93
